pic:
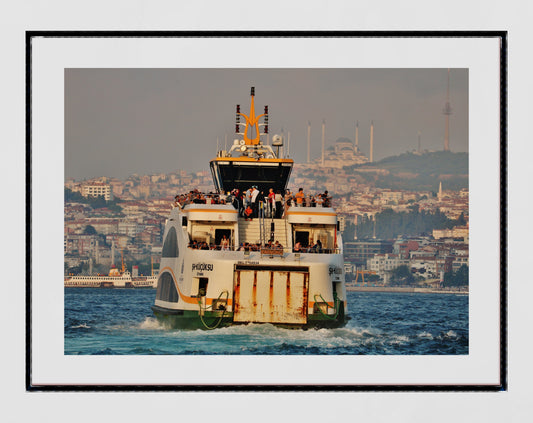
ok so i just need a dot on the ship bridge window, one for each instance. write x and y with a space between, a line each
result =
170 247
243 175
166 289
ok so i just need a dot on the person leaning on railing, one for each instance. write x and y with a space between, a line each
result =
300 198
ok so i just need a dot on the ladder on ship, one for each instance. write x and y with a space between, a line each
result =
262 229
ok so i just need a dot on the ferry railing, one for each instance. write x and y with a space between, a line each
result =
205 198
266 250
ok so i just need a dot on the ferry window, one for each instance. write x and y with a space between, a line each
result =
219 233
170 247
301 237
166 289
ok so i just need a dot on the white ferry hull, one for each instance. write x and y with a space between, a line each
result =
214 288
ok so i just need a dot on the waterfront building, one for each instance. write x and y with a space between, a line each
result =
359 252
383 264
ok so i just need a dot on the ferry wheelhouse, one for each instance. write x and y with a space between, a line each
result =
220 267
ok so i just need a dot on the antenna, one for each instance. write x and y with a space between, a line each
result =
447 111
356 136
308 142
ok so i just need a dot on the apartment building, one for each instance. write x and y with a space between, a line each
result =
97 189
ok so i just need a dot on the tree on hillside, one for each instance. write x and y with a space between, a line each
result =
89 230
459 278
402 275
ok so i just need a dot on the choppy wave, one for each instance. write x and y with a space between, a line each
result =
83 325
112 323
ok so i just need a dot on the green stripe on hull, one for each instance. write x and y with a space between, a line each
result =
189 319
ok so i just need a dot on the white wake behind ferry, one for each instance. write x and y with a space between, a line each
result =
240 276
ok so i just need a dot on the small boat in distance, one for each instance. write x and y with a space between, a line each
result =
224 263
115 279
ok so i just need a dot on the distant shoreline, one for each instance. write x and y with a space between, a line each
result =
405 289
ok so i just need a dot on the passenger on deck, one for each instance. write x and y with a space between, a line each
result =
248 213
247 197
278 246
254 200
224 243
300 198
316 248
238 197
319 200
271 210
297 247
278 200
288 201
326 199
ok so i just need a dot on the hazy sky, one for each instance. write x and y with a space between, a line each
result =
124 121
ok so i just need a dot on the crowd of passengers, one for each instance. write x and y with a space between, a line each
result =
252 203
312 248
270 245
245 246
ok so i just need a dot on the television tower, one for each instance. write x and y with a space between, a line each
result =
447 111
372 142
323 138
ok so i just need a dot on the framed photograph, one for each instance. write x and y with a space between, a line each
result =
141 148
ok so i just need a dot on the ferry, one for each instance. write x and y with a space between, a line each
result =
222 265
115 279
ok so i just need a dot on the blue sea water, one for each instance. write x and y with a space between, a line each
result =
103 321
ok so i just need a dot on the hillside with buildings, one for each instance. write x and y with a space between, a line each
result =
407 210
416 171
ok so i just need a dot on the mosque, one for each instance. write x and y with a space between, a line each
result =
343 153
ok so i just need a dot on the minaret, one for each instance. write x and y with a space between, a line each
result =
323 138
308 142
112 252
440 191
372 142
357 137
419 142
447 112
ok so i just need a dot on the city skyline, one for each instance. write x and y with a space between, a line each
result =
124 121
